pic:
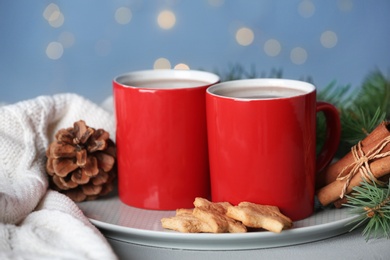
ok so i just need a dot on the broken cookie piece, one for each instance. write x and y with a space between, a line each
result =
214 214
259 216
206 217
184 221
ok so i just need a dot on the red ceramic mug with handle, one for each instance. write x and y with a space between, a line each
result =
161 137
262 143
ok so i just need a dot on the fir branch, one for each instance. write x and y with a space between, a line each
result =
371 203
238 71
374 93
358 124
369 107
334 94
360 111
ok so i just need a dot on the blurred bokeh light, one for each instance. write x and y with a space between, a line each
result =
49 47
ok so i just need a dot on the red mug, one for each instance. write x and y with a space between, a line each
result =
262 143
161 137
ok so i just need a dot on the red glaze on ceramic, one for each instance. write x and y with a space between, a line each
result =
161 137
264 151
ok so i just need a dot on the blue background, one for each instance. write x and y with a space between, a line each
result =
93 42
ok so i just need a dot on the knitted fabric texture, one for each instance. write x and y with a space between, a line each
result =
34 221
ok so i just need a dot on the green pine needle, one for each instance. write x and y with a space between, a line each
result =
356 125
238 71
375 92
334 94
360 111
371 203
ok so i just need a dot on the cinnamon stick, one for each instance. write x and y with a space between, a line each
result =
331 173
339 203
332 191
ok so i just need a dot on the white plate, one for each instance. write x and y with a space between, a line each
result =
132 225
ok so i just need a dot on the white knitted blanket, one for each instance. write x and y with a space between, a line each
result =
36 222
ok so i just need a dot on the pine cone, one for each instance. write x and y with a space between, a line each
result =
81 162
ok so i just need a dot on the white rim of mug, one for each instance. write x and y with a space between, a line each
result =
166 74
304 86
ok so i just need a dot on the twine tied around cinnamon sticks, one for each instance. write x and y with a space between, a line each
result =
361 164
370 158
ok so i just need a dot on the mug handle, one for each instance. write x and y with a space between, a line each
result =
332 135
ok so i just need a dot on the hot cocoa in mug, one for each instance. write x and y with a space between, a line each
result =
262 143
261 92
